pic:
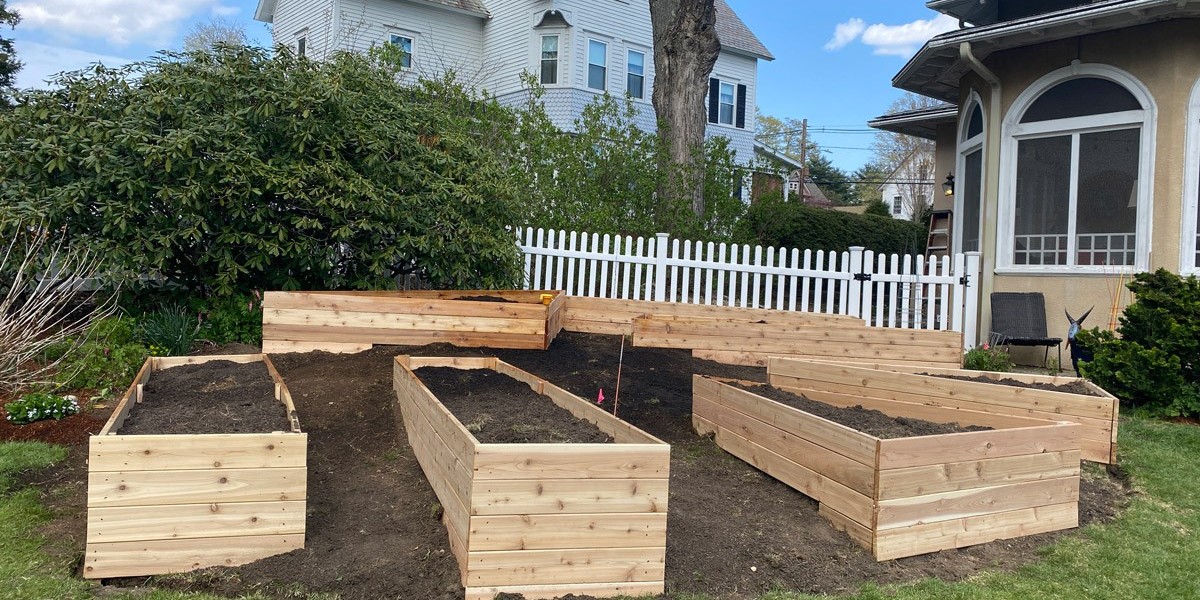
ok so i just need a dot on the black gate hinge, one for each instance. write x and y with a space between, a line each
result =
964 280
862 276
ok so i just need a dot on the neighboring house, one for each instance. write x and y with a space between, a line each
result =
909 188
1074 137
792 186
575 48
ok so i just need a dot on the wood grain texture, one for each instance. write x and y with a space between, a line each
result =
210 451
549 592
968 531
190 521
131 559
568 496
566 531
148 488
540 567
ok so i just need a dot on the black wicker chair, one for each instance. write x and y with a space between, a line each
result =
1019 319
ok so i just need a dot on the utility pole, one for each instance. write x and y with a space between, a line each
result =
803 160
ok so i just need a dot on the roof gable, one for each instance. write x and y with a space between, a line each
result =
735 36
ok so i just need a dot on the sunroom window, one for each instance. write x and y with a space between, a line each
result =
970 196
1076 195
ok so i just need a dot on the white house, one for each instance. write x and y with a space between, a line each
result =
576 48
910 186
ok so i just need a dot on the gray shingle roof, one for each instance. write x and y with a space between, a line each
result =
734 34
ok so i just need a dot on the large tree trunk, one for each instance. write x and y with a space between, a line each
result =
685 50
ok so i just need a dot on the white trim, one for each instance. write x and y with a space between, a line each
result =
587 58
1012 131
563 43
1188 242
411 36
645 80
965 147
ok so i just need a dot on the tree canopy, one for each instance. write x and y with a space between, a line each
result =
9 65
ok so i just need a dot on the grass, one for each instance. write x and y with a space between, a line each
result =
1149 552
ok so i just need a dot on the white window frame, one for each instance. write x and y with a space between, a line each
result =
976 143
721 83
1014 131
1189 243
897 206
558 66
629 52
302 43
412 41
587 75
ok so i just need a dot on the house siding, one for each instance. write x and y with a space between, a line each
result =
442 40
737 68
511 43
312 17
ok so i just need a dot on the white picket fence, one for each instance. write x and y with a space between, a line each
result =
887 290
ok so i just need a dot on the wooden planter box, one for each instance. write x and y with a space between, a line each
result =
173 503
907 496
1096 415
751 341
354 321
543 520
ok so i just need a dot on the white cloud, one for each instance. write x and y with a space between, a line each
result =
117 21
891 40
224 10
845 33
43 61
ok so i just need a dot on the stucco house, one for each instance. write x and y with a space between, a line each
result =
575 48
1074 138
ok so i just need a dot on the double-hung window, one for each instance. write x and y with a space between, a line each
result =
726 103
636 75
549 60
405 44
597 76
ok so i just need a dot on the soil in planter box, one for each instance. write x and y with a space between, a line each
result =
868 421
212 397
486 299
498 409
1075 387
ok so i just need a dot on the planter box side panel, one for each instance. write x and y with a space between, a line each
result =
969 531
132 559
615 316
1095 415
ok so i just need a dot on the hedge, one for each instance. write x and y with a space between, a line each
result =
773 222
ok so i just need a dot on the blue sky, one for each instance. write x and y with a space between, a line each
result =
833 60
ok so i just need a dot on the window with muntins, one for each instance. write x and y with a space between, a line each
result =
405 44
636 75
897 205
597 65
549 60
1076 195
727 104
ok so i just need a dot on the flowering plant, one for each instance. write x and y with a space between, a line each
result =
38 406
987 358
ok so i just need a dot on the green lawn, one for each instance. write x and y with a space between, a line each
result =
1152 551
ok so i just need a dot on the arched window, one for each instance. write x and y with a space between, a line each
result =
1076 188
968 201
1190 242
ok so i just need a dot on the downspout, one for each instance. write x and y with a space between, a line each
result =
991 198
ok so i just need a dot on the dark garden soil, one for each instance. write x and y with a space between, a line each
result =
373 531
1074 387
498 409
866 420
213 397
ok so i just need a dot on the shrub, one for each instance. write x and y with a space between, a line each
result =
772 222
1154 361
236 318
172 330
39 406
106 358
987 358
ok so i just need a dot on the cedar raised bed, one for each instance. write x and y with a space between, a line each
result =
1096 414
543 520
175 502
354 321
905 496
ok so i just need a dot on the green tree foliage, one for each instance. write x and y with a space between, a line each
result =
878 208
1155 362
772 222
867 180
239 169
9 65
832 180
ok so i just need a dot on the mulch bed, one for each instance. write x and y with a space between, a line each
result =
1074 387
498 409
213 397
373 529
865 420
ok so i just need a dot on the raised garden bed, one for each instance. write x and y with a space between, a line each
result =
907 495
173 502
354 321
1096 411
544 519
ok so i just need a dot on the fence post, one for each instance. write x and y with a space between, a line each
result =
972 287
660 267
853 267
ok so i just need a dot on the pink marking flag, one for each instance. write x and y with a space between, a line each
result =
600 398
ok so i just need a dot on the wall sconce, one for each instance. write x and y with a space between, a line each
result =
948 186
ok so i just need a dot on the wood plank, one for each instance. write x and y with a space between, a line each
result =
565 531
141 488
798 345
456 362
633 589
593 565
132 559
283 347
621 431
123 408
834 436
971 474
447 474
526 305
457 438
166 362
572 461
760 359
569 496
587 308
458 542
812 456
406 322
190 521
974 445
959 533
597 327
781 330
861 534
209 451
944 506
854 505
369 335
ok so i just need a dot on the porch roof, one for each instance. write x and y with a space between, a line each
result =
921 122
